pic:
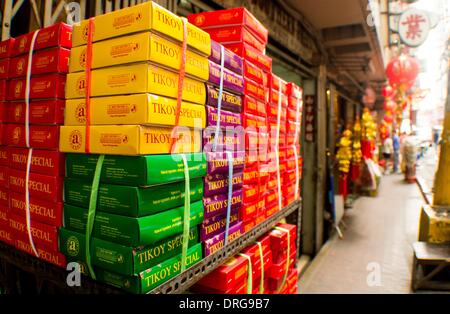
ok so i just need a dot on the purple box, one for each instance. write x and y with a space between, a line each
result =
227 118
217 162
231 81
217 204
217 224
232 61
218 183
217 242
230 101
227 141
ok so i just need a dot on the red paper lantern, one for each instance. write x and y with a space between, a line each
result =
402 72
387 91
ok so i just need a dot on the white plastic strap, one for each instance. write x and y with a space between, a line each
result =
297 132
27 141
219 100
277 145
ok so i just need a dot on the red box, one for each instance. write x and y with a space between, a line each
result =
250 175
292 115
227 275
294 90
272 209
50 256
263 174
256 284
261 217
250 194
278 270
57 35
254 248
4 215
273 128
251 141
55 60
291 280
251 54
4 197
4 156
251 158
235 34
272 112
248 211
6 235
290 153
41 186
45 235
41 87
294 102
289 199
292 127
3 90
239 288
235 16
281 254
290 176
3 111
4 174
48 162
254 106
254 89
49 213
46 137
274 96
272 196
248 225
253 122
256 267
40 112
4 68
278 239
253 73
275 84
6 48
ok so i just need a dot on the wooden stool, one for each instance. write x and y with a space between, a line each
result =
433 256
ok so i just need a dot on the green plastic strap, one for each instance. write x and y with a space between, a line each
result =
288 258
187 213
249 273
261 258
91 212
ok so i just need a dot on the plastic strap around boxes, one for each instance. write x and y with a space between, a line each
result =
182 73
288 258
187 213
261 258
277 145
230 194
249 273
27 141
88 74
297 133
91 211
219 99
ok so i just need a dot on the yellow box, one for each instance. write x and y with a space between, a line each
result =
137 48
145 109
128 140
139 18
135 79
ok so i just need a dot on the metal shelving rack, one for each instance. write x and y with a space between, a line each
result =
53 278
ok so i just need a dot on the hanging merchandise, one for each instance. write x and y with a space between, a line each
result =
387 92
356 151
369 133
344 157
402 72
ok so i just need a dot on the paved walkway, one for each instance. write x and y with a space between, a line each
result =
375 255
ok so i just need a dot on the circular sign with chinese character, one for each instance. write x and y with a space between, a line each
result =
413 27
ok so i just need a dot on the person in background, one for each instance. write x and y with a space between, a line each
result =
388 149
396 146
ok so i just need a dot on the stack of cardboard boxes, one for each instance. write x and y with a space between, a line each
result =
137 235
267 259
239 31
32 136
227 122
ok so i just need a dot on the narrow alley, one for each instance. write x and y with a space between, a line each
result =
377 239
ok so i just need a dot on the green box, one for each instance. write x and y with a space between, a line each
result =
129 200
130 231
136 170
148 279
118 258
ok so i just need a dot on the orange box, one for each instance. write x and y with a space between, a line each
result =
254 106
294 90
254 89
275 84
253 73
250 194
274 96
